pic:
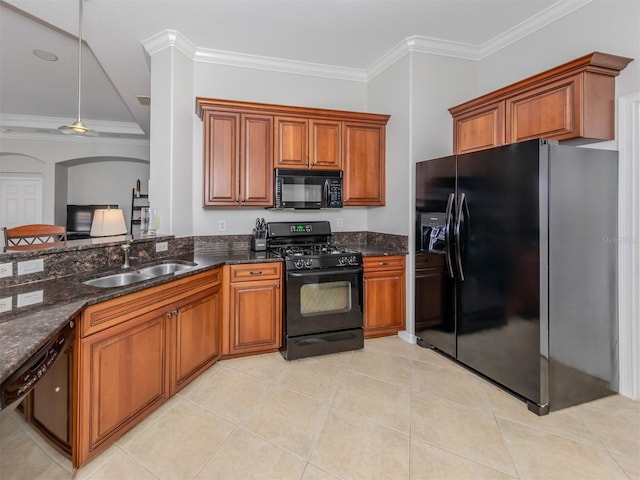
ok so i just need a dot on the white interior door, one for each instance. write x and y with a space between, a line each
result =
20 200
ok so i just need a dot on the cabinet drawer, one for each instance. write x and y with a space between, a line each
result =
395 262
254 271
429 260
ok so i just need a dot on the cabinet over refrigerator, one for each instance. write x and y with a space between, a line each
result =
516 268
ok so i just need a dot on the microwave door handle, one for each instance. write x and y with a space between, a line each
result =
326 193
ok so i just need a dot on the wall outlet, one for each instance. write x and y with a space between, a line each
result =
162 247
222 225
30 298
30 266
339 222
6 269
6 304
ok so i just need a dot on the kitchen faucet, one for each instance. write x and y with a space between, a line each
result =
126 247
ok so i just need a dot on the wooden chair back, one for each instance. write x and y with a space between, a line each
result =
34 237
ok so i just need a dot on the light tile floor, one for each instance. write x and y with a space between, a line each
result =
390 411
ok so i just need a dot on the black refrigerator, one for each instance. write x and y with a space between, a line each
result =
516 268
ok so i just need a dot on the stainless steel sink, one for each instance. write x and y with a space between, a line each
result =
127 278
117 280
165 268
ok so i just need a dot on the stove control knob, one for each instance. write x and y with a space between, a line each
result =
298 263
342 261
353 260
308 263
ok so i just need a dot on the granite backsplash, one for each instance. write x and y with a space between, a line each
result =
84 257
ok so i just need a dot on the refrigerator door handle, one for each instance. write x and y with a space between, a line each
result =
447 243
463 199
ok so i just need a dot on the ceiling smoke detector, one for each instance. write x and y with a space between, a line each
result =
144 100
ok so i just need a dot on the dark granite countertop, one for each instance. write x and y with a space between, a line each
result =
377 251
34 311
38 310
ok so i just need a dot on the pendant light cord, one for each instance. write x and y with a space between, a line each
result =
79 57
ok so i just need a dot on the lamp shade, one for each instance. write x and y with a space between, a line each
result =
108 222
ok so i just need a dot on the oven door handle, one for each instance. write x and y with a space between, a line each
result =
324 273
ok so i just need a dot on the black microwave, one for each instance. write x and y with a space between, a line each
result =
308 188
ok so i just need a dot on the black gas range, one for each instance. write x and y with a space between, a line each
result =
323 290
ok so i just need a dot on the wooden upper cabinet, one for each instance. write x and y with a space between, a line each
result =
256 161
325 152
479 129
221 157
364 164
238 159
291 143
311 143
244 142
575 100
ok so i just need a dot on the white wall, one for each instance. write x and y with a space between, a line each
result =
52 150
390 93
108 182
609 26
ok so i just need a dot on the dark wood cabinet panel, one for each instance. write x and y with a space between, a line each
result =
574 101
364 164
302 138
479 129
253 322
384 295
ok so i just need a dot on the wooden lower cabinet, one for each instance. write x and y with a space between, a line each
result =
253 322
135 351
122 379
194 330
384 295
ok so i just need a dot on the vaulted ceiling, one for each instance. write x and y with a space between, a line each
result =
351 35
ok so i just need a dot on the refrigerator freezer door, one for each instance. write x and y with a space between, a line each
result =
434 282
498 309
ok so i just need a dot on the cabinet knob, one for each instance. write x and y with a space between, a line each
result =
256 273
57 389
383 263
278 286
169 314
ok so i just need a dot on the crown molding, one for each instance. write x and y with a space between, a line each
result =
167 39
52 123
38 135
530 25
234 59
413 44
467 51
173 38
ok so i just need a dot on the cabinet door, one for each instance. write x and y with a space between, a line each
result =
550 111
479 129
291 149
325 148
256 165
121 381
364 164
221 159
384 297
195 336
255 316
